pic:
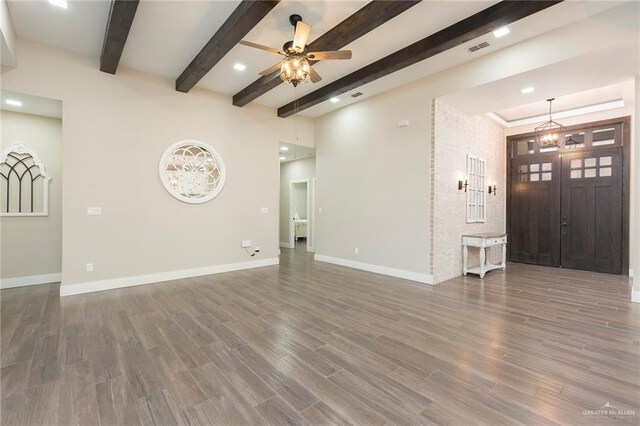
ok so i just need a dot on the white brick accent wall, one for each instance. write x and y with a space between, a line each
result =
454 135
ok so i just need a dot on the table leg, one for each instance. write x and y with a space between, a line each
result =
504 257
482 261
465 253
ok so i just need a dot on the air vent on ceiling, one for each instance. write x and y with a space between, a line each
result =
478 47
355 95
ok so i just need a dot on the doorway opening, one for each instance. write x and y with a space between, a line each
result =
30 190
297 184
569 207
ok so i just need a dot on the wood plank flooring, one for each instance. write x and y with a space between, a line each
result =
313 343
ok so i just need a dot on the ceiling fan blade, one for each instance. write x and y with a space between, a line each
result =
315 77
261 47
301 35
323 56
272 69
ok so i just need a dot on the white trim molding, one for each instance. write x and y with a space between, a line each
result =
285 244
630 273
92 286
635 295
378 269
30 280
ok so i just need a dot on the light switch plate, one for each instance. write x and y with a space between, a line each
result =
264 209
94 211
403 123
89 267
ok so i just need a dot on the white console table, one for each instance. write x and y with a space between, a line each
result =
482 241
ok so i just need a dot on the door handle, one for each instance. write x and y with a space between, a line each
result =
564 224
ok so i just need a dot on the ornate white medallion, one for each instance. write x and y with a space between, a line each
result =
192 171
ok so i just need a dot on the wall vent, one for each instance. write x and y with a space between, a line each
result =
355 95
478 47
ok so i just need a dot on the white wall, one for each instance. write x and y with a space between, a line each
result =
373 183
455 135
295 170
115 129
32 246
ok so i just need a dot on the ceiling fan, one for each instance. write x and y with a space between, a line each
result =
295 67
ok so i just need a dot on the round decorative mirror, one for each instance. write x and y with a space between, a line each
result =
192 171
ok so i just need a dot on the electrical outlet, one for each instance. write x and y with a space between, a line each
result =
264 209
246 243
89 267
356 250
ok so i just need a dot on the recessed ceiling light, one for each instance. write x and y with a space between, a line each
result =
284 148
527 90
335 99
283 158
59 3
500 32
13 102
239 67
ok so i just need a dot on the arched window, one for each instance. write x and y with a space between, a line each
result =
24 182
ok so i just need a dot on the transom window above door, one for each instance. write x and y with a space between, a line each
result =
606 136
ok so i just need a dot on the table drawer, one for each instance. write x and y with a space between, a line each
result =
483 242
495 241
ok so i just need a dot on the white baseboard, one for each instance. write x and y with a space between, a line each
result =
630 273
30 280
384 270
91 286
635 296
285 245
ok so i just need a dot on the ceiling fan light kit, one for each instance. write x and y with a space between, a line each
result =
295 68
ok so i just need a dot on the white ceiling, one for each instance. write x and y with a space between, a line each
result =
594 70
35 105
79 29
166 35
563 105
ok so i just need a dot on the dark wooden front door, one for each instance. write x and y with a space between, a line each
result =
535 210
592 211
568 206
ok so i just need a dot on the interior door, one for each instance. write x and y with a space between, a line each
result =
591 236
535 209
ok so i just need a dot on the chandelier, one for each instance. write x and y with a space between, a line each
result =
295 69
551 133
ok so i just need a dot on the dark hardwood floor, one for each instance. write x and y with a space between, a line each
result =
320 344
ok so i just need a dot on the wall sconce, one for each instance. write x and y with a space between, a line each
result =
493 189
461 185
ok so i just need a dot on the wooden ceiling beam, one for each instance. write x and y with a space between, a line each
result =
240 22
355 26
483 22
121 17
